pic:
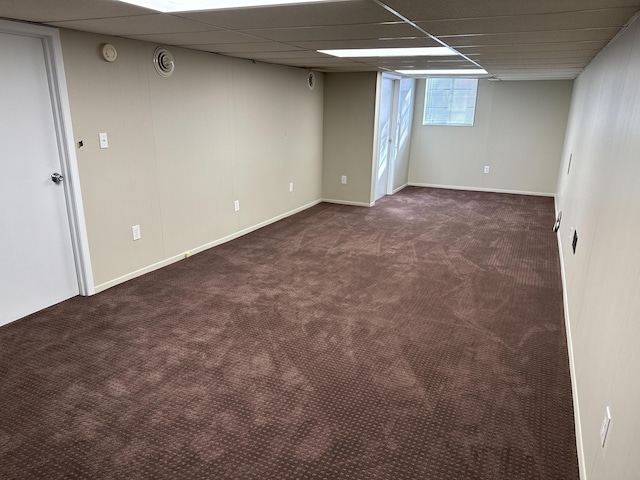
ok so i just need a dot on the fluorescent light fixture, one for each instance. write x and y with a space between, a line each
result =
391 52
168 6
452 71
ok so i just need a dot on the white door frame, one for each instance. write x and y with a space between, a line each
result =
52 49
376 127
395 100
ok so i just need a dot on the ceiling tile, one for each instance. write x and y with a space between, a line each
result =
553 63
574 54
230 48
310 15
530 37
533 47
136 25
531 23
453 9
45 11
339 32
536 74
368 43
313 62
294 54
194 38
417 60
347 68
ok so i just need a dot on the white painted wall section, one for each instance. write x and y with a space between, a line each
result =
599 196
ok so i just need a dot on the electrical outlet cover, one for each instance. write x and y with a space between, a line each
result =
556 226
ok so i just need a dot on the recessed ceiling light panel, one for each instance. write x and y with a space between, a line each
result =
450 72
391 52
168 6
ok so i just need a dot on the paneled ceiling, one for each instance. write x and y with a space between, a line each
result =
511 39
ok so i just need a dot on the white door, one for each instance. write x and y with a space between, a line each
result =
385 137
37 266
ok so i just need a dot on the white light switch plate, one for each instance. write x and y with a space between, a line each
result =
104 140
135 230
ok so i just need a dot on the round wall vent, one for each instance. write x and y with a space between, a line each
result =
311 80
163 62
109 52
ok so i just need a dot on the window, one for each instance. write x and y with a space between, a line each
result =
450 101
405 111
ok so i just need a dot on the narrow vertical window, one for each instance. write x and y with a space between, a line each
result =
405 111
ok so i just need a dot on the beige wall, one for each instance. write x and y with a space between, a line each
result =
600 197
349 124
182 149
518 131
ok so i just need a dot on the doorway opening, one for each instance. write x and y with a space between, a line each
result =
394 105
45 240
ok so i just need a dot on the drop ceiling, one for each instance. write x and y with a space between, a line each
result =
511 39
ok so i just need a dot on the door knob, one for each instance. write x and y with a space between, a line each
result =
56 178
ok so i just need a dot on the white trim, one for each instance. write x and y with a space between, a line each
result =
393 154
392 150
66 147
447 124
400 188
130 276
201 248
69 162
582 467
376 145
348 202
481 189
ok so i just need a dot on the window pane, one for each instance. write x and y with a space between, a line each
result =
440 99
441 83
406 98
450 101
466 83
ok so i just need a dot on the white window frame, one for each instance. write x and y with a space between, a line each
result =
448 123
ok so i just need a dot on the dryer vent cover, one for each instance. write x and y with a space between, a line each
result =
163 62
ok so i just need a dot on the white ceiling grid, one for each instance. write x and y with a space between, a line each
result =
511 39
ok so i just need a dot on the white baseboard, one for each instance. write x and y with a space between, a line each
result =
582 467
201 248
150 268
400 188
481 189
348 202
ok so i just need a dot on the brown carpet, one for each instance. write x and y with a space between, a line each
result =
419 339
